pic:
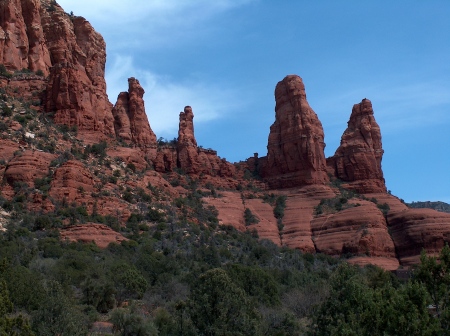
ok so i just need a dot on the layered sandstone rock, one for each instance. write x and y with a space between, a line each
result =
71 183
298 215
356 230
130 120
99 234
27 166
415 229
296 141
358 158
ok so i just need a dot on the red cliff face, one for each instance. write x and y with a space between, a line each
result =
358 158
296 140
130 120
38 35
76 90
22 41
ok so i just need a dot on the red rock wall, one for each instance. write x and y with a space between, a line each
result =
76 90
22 40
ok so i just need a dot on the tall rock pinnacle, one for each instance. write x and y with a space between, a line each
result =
130 120
187 145
296 140
358 158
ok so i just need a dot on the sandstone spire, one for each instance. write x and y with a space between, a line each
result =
358 158
187 145
130 120
296 140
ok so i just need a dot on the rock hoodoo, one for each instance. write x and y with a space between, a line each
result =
358 158
296 141
186 144
130 120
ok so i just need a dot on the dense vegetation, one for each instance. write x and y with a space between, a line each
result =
176 277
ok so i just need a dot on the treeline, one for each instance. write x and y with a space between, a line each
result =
182 278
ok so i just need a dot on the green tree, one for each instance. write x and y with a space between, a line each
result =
129 282
434 274
217 306
355 308
57 315
11 325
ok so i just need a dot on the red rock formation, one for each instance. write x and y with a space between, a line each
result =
129 155
38 35
27 166
130 120
7 149
22 41
296 141
71 182
298 214
166 159
358 158
76 90
357 230
187 145
99 234
267 226
415 229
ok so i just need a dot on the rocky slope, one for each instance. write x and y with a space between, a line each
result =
68 156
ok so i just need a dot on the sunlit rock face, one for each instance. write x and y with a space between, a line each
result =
358 158
296 141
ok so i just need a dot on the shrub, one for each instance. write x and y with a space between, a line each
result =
250 218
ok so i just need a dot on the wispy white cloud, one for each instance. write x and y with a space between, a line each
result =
166 98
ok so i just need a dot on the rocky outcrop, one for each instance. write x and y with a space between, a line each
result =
298 214
358 158
413 230
360 230
99 234
296 141
130 120
72 182
27 166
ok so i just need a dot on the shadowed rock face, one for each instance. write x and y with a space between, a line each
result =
130 120
296 140
358 158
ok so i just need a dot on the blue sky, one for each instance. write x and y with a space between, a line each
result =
224 58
